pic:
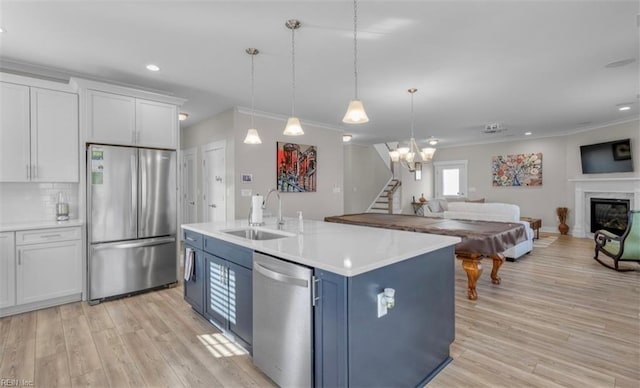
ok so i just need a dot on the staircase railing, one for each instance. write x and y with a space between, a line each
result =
384 200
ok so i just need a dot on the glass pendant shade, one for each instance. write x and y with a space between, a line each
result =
293 127
394 155
355 113
252 137
427 153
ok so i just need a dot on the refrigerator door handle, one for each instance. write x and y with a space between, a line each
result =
134 195
135 244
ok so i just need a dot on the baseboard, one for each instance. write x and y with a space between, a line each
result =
23 308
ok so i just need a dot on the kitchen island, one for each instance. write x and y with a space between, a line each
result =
351 265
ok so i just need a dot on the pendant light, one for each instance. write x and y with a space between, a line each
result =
355 112
252 133
409 155
293 127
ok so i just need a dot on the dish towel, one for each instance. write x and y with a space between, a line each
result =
189 264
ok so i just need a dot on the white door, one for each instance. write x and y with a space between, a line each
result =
451 179
54 136
189 195
15 165
47 271
213 182
7 270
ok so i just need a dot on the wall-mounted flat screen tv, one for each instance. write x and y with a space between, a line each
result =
612 156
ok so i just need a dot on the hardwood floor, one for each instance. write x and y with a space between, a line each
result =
559 319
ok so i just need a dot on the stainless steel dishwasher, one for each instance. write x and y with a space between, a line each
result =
282 321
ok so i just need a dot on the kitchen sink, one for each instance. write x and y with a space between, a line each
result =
257 234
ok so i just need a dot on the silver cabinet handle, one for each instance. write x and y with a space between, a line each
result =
19 258
191 203
191 239
51 235
314 291
213 205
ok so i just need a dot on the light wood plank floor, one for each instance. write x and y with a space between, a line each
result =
558 319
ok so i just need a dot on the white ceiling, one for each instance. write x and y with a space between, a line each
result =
534 66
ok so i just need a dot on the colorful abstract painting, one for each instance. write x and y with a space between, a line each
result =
517 170
297 167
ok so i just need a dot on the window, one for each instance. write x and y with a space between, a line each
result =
451 179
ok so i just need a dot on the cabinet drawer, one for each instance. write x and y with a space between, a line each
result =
47 235
192 238
228 251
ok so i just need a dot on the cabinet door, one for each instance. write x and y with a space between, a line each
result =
111 118
241 302
194 288
47 271
54 136
14 133
216 306
7 270
156 124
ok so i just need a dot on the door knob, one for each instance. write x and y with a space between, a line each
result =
212 205
191 203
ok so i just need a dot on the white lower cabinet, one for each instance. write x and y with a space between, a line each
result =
45 269
7 270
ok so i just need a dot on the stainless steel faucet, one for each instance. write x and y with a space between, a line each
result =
264 206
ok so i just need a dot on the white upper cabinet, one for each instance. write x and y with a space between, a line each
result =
156 124
39 133
120 119
54 136
15 164
112 118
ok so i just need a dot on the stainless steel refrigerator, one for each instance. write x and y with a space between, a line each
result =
131 211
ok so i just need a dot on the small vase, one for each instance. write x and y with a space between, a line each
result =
563 228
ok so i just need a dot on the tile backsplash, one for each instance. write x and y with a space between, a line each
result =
35 201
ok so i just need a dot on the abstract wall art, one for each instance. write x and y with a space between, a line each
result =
517 170
296 167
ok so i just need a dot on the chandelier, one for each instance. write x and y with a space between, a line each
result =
410 155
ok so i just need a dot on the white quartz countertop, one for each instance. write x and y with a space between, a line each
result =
46 224
347 250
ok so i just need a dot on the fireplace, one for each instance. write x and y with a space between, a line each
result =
609 214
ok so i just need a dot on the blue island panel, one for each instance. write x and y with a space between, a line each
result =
405 347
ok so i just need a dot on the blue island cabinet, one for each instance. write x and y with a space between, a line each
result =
194 287
228 301
405 348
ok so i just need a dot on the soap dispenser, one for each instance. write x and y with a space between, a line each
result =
300 222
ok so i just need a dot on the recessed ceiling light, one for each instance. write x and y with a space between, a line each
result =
433 142
623 108
182 116
152 67
2 30
528 133
346 138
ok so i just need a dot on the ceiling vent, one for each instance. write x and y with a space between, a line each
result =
494 128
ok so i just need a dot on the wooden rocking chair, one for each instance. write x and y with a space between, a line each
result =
620 248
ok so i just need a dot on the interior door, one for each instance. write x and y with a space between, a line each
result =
213 170
189 186
451 179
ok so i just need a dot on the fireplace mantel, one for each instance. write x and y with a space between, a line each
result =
585 188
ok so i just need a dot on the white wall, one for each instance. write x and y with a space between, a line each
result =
260 161
411 188
216 128
560 162
365 175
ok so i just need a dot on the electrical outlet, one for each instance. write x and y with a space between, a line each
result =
382 305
